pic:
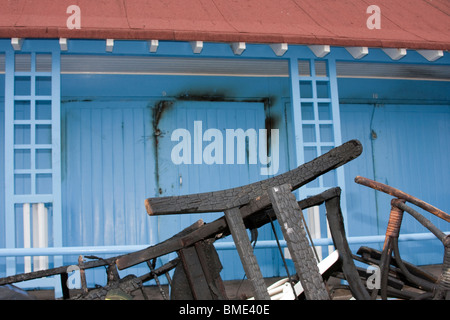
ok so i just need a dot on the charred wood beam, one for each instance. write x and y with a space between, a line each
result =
194 274
127 285
219 201
245 250
159 271
52 272
288 213
255 214
202 267
211 265
170 245
166 246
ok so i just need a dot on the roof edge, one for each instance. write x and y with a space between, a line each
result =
225 37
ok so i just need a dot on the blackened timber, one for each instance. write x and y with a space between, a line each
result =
289 217
194 274
159 271
337 229
219 201
217 228
173 244
64 287
211 265
202 268
245 250
170 245
255 215
51 272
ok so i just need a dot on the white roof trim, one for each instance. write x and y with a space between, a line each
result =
109 45
395 54
279 48
63 44
197 46
431 55
17 43
238 47
320 51
153 45
358 52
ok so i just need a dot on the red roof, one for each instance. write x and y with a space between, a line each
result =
414 24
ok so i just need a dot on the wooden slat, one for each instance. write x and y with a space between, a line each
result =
245 250
290 219
210 262
170 245
205 231
194 274
254 215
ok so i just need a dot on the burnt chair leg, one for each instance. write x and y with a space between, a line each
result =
337 229
289 216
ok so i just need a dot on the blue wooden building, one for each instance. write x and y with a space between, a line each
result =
91 95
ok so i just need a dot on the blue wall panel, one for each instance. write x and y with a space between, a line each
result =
405 146
101 143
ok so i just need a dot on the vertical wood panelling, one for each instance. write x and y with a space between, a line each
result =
110 170
361 206
104 190
406 147
97 167
108 174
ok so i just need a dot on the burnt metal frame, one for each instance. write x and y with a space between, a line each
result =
434 288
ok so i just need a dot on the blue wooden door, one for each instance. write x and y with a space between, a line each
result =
118 153
405 146
221 171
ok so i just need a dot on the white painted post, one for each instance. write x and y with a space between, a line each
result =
27 235
314 227
40 234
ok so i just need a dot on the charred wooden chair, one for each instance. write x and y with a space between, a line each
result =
250 206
